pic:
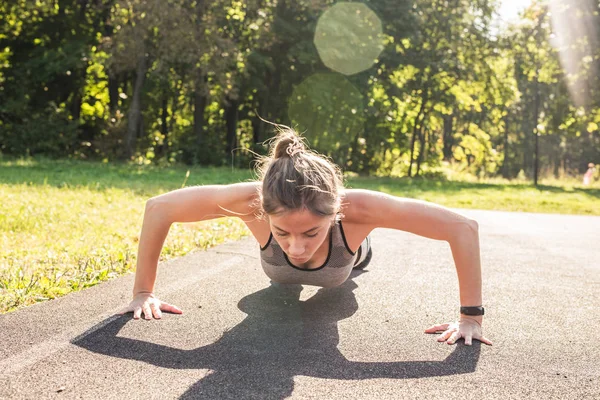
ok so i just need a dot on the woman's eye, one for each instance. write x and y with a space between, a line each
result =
285 234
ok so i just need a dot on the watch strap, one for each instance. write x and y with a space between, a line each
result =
472 310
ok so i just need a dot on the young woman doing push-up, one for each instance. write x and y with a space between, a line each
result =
311 230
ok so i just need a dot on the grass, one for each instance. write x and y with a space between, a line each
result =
67 225
547 197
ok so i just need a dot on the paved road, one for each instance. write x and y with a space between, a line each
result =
241 338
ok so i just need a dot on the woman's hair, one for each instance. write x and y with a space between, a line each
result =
296 178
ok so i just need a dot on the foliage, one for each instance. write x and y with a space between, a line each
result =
178 81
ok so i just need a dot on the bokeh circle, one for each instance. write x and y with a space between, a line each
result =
349 37
328 110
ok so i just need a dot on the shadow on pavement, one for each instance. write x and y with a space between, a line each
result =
281 337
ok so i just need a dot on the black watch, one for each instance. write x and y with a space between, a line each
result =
472 310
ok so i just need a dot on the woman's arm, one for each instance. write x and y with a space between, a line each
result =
191 204
381 210
154 232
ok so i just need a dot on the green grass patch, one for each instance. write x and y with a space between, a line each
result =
67 225
548 197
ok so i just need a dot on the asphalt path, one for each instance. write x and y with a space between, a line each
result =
242 337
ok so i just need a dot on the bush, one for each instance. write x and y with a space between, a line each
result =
49 133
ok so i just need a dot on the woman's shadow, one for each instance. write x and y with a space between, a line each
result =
281 337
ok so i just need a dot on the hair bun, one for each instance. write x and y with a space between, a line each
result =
288 144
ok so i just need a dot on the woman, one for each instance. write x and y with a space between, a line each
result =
310 229
589 174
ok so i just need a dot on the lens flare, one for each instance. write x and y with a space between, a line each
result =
349 37
575 35
327 109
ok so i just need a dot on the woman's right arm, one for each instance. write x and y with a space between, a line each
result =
191 204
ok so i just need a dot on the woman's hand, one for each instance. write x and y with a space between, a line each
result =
466 328
150 305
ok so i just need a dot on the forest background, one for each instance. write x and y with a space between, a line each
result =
383 87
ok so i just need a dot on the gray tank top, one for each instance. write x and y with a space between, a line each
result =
336 269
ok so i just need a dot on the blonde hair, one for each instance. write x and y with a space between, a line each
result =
295 178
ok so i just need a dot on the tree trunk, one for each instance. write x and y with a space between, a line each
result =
447 137
200 102
505 147
526 132
175 104
113 77
134 122
536 109
78 75
164 128
416 128
420 157
231 119
431 140
113 93
412 148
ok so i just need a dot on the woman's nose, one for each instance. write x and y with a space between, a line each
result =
296 248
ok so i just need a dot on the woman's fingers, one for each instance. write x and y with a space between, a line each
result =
451 332
437 328
468 340
484 340
444 336
151 308
454 337
155 310
137 312
147 311
170 308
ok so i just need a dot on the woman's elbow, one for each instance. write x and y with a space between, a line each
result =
155 209
473 226
152 204
470 229
464 232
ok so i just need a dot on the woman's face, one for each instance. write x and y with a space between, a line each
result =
300 233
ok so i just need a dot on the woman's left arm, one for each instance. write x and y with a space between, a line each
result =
381 210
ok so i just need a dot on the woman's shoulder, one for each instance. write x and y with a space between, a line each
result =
250 210
355 220
354 205
246 195
231 200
